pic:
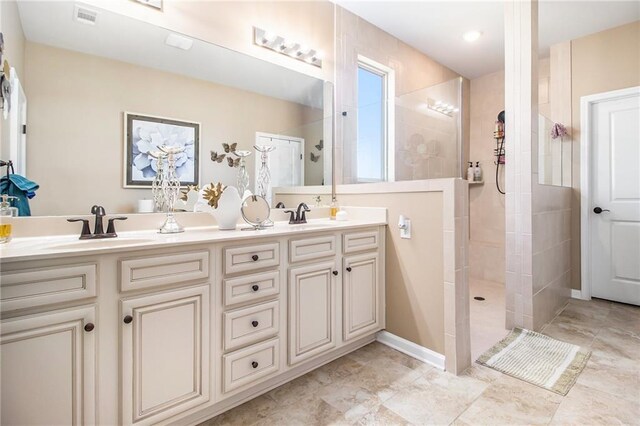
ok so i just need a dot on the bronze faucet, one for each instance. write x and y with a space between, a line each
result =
98 231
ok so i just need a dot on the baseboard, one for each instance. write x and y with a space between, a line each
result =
412 349
576 294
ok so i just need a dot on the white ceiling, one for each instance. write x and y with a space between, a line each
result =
129 40
436 27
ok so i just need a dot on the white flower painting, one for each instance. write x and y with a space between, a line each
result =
145 134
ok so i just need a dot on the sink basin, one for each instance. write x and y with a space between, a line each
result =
99 243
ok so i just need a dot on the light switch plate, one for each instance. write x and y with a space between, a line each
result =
406 231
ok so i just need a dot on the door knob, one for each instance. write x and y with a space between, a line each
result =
128 319
89 327
335 273
254 323
599 210
255 287
348 268
254 364
255 257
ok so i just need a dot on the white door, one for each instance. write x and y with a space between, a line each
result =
49 368
286 162
17 126
614 127
165 354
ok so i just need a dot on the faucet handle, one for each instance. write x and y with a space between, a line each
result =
86 232
291 216
111 229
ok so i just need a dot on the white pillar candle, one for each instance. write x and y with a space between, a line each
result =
145 206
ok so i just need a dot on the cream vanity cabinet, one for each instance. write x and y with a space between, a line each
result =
164 335
181 333
48 356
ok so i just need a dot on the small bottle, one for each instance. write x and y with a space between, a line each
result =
470 172
333 210
6 210
477 173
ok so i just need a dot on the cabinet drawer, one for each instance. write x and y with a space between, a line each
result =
153 271
250 288
250 258
40 287
312 248
247 366
250 325
361 241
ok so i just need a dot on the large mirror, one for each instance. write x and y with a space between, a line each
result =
96 100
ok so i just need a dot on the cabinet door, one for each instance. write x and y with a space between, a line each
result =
311 310
361 295
165 354
49 368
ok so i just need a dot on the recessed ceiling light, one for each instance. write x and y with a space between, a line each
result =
471 36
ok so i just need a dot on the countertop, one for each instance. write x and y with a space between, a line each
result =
32 248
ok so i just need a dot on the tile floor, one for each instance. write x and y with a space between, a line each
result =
487 316
377 385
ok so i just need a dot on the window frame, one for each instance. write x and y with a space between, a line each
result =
388 119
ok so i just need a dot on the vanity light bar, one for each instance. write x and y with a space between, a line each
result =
442 107
287 47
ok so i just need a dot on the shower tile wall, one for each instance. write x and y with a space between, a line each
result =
486 204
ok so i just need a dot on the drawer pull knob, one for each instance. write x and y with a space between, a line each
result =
348 268
255 287
254 364
255 257
254 323
128 319
335 273
89 327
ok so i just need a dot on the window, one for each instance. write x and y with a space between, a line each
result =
375 122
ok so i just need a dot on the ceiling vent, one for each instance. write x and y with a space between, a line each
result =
85 16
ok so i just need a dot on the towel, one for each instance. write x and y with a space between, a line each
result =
21 188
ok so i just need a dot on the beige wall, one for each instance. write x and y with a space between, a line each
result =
230 24
11 29
600 62
413 71
75 115
414 268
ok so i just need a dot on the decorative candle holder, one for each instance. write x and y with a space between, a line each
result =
264 174
158 181
243 176
171 190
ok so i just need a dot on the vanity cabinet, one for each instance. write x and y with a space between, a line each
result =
48 368
312 304
165 354
176 334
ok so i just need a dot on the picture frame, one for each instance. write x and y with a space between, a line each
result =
145 133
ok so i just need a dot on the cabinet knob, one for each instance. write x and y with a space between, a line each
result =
89 327
255 287
255 257
128 319
254 364
335 273
348 268
254 323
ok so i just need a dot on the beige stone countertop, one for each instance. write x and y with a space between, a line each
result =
32 248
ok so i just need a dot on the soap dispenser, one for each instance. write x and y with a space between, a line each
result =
6 210
477 173
470 172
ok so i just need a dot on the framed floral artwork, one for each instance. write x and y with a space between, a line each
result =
144 134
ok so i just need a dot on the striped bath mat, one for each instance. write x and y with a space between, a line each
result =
537 359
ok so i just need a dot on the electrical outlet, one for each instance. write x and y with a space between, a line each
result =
405 231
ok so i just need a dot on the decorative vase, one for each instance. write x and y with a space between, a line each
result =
243 175
228 211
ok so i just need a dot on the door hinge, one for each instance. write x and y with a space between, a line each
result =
301 156
24 129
